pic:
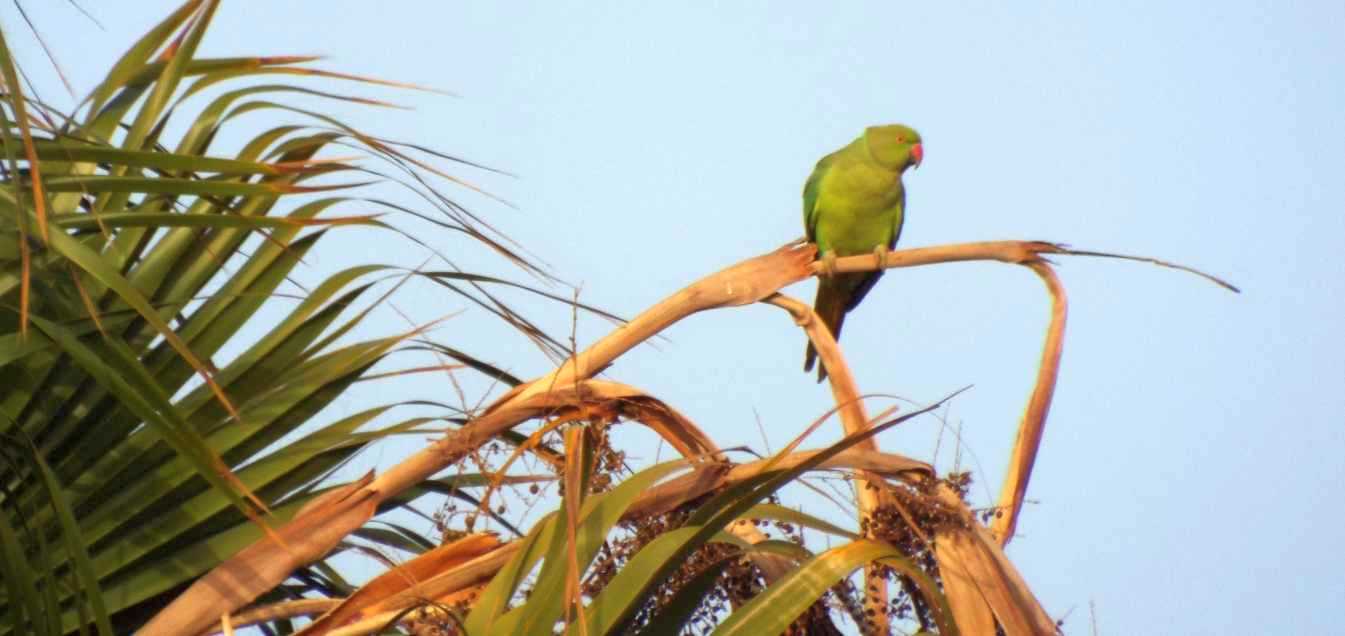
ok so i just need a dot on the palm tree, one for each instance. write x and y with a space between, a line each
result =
153 479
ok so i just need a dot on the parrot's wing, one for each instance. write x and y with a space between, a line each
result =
871 278
900 220
811 191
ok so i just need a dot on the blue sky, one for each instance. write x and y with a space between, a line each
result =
1191 472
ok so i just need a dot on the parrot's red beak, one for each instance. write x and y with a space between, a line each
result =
918 154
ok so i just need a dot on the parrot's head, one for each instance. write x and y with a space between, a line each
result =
895 146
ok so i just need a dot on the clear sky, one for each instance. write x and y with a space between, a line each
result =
1190 479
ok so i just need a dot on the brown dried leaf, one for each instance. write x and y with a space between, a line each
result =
978 576
971 611
372 598
1033 424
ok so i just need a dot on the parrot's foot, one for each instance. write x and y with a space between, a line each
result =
881 253
829 264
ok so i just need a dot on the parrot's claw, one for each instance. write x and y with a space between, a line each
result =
829 264
881 253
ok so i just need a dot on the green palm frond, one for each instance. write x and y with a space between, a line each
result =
134 456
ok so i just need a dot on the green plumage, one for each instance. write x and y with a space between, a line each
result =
854 203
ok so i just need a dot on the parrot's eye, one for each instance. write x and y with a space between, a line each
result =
901 139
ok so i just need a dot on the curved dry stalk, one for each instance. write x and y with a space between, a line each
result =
843 388
1033 424
676 429
1029 254
607 401
853 418
1013 252
616 400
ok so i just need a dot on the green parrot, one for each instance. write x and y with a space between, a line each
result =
854 203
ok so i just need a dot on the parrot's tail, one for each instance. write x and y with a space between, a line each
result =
830 307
